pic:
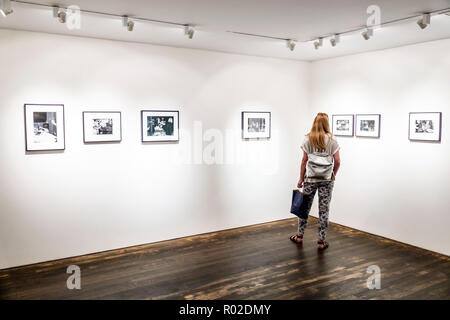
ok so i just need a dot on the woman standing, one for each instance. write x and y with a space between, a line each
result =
320 164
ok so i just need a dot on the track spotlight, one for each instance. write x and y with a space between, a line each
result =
367 33
290 44
189 31
62 17
318 43
5 7
335 40
127 23
424 21
59 14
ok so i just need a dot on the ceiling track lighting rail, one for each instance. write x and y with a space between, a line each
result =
259 36
60 13
290 43
335 38
111 15
387 23
5 8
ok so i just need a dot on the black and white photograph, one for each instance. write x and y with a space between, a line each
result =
425 126
368 125
44 127
102 126
160 126
343 125
256 125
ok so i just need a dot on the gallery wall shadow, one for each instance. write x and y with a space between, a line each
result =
255 139
33 153
368 138
159 142
426 142
101 142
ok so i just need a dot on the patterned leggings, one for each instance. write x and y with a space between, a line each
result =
325 192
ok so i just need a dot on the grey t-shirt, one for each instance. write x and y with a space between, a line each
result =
315 171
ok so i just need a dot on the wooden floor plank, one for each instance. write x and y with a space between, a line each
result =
256 262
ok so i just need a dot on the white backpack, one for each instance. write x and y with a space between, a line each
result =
320 165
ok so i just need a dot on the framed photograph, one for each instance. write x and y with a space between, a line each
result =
102 126
368 125
160 126
44 127
425 126
343 125
256 125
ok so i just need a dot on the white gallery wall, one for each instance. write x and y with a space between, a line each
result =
391 186
98 197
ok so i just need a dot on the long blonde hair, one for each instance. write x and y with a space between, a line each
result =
320 128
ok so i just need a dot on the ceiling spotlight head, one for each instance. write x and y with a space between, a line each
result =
318 43
335 40
421 24
127 23
62 17
5 8
367 34
189 31
130 26
290 44
424 21
59 14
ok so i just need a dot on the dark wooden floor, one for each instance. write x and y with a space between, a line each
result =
257 262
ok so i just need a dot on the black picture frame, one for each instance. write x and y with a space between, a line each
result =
379 125
27 148
243 127
177 112
439 126
352 125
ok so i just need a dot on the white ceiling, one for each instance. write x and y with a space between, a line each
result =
288 19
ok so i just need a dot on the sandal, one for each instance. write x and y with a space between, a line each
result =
297 238
322 245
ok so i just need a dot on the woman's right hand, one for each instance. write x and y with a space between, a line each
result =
300 184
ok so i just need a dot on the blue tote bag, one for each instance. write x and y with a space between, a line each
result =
300 204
